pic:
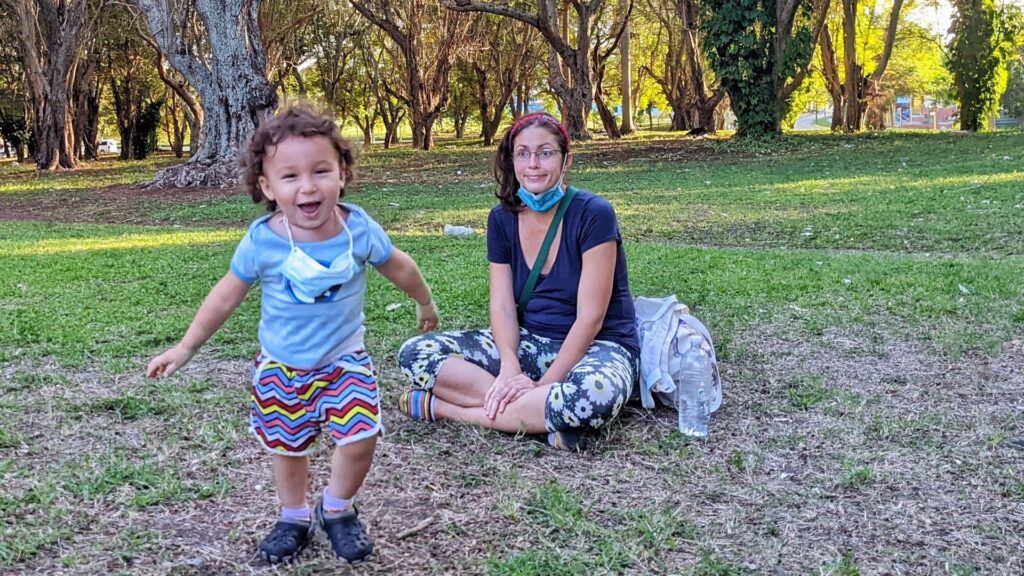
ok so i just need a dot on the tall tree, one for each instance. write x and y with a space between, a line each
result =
14 111
427 37
684 76
760 51
573 85
606 41
366 90
626 73
851 93
1013 98
333 41
174 123
507 61
87 89
50 32
982 42
223 60
133 82
461 100
183 93
379 63
283 25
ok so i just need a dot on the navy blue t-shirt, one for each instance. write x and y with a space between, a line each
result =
589 221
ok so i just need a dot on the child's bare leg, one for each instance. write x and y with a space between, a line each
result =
525 415
462 383
339 519
350 464
291 478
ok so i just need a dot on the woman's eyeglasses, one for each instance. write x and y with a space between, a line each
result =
544 154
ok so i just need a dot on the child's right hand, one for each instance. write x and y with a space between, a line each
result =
169 362
426 316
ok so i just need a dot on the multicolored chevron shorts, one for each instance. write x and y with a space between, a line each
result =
290 407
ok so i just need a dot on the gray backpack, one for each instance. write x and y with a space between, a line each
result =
664 323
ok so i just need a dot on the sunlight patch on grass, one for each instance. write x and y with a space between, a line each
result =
89 175
126 242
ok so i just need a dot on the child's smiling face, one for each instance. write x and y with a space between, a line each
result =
304 176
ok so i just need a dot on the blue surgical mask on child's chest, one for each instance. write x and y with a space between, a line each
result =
545 200
307 280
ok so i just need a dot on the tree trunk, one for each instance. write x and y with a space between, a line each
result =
830 72
173 123
875 96
611 127
87 90
852 70
461 116
391 115
426 88
193 112
683 81
52 128
569 69
50 33
366 122
233 87
625 68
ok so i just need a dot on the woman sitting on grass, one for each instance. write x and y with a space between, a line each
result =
562 361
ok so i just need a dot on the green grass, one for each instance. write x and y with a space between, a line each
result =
25 180
573 537
898 237
845 566
133 290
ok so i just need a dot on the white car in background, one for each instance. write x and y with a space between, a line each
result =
108 147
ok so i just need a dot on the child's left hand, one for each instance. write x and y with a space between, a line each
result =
426 316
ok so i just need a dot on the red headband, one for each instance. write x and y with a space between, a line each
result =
540 116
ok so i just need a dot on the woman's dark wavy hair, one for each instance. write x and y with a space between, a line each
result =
293 120
504 162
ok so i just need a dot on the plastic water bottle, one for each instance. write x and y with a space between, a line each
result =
694 388
450 230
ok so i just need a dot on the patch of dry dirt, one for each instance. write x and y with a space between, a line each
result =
110 205
882 451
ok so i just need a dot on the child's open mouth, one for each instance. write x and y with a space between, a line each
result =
310 209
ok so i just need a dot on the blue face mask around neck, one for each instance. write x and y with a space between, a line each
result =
308 280
545 200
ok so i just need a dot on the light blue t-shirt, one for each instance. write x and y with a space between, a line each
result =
301 335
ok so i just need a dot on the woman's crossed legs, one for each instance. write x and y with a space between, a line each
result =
458 368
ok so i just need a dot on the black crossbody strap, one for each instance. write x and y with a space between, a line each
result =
542 256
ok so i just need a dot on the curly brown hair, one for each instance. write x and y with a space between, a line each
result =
504 164
294 120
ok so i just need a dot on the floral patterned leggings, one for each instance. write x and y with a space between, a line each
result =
592 394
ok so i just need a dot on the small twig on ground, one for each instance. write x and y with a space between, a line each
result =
415 529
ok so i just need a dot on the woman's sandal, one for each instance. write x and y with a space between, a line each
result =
417 404
572 441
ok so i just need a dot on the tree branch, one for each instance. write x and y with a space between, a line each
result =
890 40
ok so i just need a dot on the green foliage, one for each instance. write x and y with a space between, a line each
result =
741 42
13 128
1013 98
144 134
916 66
978 53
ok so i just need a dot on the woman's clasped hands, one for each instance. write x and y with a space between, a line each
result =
509 386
